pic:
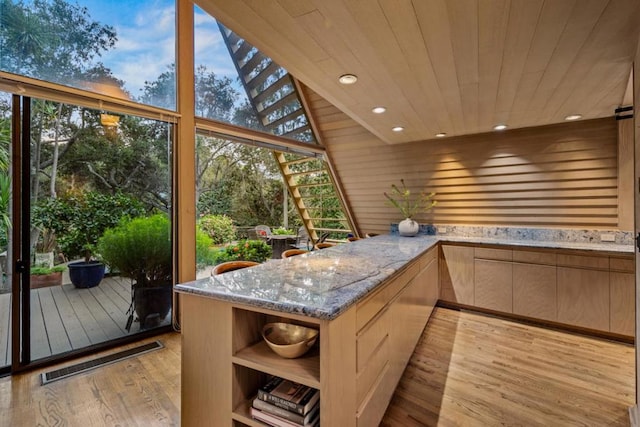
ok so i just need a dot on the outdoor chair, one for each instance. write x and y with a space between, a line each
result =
293 252
302 239
232 265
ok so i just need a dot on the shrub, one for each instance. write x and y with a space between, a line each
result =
219 228
204 254
38 271
79 220
140 249
282 231
244 250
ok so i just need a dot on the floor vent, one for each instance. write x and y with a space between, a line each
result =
61 373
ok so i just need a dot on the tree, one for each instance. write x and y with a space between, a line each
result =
50 39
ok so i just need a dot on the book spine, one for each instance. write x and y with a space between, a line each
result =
276 410
271 420
280 402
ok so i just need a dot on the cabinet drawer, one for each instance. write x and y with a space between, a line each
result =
367 309
496 254
426 259
372 370
370 338
626 265
584 261
533 257
376 402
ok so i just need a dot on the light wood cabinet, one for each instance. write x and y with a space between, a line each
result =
494 285
534 291
456 274
583 297
356 365
573 288
622 294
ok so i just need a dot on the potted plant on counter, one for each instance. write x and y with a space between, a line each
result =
409 205
78 221
140 249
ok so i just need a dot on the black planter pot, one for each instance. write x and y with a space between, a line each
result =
86 274
152 301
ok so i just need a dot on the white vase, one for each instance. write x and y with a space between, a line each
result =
408 227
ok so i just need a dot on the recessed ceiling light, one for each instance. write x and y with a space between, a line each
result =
441 135
348 79
573 117
499 127
379 110
397 129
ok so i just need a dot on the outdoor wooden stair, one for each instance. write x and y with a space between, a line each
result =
275 100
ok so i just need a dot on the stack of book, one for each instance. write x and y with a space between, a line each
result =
283 403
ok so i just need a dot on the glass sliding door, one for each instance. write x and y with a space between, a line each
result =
5 230
98 233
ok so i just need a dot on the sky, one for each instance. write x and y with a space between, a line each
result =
146 40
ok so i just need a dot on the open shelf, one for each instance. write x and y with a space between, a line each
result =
304 370
242 414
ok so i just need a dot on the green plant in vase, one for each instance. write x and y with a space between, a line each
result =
409 205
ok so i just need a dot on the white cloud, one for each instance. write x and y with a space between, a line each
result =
146 45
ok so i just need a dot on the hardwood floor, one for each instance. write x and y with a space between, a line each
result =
142 391
468 370
474 370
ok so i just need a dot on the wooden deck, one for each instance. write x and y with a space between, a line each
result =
65 318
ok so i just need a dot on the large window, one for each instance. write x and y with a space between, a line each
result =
120 48
220 94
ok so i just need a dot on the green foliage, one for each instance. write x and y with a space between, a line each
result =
140 248
408 205
244 250
50 39
205 255
216 200
219 228
282 231
40 271
79 220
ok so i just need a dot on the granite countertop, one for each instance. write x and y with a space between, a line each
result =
544 244
324 283
319 284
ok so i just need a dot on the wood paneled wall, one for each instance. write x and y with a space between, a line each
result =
563 175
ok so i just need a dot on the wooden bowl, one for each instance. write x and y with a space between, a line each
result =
287 340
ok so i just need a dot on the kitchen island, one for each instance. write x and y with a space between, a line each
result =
369 299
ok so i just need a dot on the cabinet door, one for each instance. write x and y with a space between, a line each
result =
456 274
583 297
534 291
622 303
493 285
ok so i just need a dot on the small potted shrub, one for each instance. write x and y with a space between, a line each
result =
140 249
78 221
41 277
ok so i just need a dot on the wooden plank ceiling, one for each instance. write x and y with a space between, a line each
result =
453 66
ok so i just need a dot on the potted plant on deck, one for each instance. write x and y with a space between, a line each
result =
140 249
41 277
409 205
78 221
